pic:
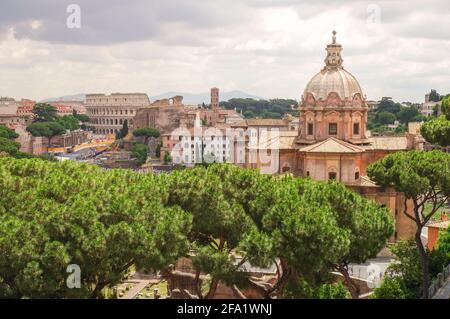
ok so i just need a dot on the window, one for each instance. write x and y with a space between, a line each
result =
310 128
307 173
332 129
356 128
356 175
332 175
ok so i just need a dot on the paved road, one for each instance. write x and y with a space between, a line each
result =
87 152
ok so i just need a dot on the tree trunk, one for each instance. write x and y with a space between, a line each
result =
198 289
424 263
349 283
49 142
97 292
212 289
286 273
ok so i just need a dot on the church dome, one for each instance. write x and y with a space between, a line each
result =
338 80
333 77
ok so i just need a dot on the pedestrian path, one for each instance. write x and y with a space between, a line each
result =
140 284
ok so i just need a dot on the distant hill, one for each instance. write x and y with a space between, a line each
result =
75 97
188 98
200 98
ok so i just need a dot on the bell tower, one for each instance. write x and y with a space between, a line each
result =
214 98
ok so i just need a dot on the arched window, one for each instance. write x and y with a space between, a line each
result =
357 175
332 173
310 129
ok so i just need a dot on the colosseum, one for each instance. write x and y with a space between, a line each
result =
108 113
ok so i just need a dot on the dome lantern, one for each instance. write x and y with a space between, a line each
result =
333 59
333 78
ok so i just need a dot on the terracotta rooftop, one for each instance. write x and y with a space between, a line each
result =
332 145
275 143
441 224
367 182
260 122
390 143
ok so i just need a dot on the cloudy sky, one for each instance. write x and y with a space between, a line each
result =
269 48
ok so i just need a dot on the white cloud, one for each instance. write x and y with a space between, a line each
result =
268 48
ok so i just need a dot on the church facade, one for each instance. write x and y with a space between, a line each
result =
332 141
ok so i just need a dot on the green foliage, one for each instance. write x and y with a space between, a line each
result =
391 288
387 105
444 243
251 108
400 129
404 278
369 225
313 227
146 132
83 118
56 214
214 197
434 96
445 107
408 114
167 157
385 118
249 115
158 150
422 177
414 173
8 146
123 131
437 131
408 270
333 291
69 122
44 113
46 129
7 133
388 112
140 152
